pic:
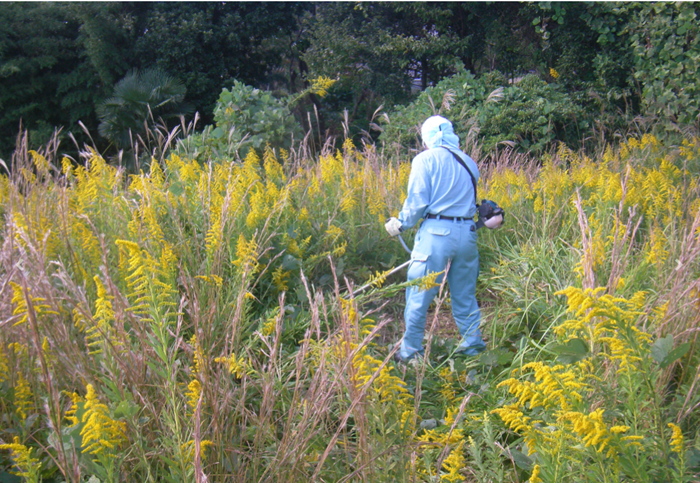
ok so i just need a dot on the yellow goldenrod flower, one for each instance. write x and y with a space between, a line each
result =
339 250
320 85
189 447
66 165
214 235
451 415
24 399
660 311
101 434
535 476
280 279
104 317
20 350
4 366
453 464
247 255
71 413
379 278
215 279
21 308
194 389
197 356
427 282
656 251
677 442
27 466
333 233
146 273
235 366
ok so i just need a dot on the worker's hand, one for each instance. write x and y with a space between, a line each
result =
393 226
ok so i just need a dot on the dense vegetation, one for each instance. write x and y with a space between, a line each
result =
612 64
178 299
196 322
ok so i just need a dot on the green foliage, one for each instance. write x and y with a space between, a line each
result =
61 60
665 38
530 113
533 114
256 115
210 44
648 56
378 50
107 31
209 305
139 100
245 118
616 61
44 81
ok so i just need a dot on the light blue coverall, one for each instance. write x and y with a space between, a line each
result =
439 185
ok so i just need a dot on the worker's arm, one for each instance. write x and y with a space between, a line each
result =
418 197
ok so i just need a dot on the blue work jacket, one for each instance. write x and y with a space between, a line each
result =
439 185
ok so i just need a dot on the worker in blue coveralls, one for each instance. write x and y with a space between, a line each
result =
440 190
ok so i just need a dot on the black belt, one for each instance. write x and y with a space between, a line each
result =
431 216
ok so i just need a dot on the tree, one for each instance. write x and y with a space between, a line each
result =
140 99
665 39
208 45
44 81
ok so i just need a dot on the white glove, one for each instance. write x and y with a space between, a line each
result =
393 226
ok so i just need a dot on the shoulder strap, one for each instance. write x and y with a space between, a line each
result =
471 175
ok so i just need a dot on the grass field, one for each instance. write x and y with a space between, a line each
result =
196 322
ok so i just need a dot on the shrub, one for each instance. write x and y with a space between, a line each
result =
530 113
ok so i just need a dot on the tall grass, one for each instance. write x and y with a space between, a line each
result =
195 322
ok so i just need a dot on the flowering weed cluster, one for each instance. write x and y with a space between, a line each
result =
195 322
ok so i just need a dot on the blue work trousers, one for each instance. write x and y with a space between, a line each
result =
437 242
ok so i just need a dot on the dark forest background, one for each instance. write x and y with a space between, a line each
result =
613 65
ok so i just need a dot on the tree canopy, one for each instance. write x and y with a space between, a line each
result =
60 61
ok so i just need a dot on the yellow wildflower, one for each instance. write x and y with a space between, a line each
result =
194 389
148 272
23 397
553 73
451 415
333 233
379 278
215 279
453 464
280 279
535 476
677 442
100 432
197 356
235 366
428 281
104 318
247 255
28 467
593 430
66 165
339 250
657 253
188 450
4 366
71 413
320 85
21 308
